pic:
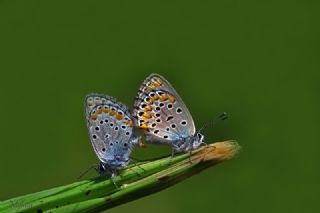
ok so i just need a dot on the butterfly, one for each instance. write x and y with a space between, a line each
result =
110 129
165 119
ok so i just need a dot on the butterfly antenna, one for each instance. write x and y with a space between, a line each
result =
88 170
223 116
134 160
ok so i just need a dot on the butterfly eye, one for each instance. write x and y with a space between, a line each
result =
199 136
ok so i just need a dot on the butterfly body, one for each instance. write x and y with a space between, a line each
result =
111 132
161 113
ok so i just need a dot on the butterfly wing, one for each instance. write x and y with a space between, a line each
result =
110 127
92 100
159 110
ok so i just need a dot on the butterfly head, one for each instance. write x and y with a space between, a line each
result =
197 140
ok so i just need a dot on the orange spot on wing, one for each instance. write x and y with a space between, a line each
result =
157 83
172 98
119 116
152 86
156 97
94 116
146 115
148 108
164 97
112 112
99 111
130 123
144 126
150 101
105 110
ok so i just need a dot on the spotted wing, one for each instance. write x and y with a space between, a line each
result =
159 110
109 124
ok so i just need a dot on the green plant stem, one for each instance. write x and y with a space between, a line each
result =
139 180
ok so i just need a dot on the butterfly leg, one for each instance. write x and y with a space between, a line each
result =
112 177
173 152
135 163
102 170
95 167
136 171
137 141
203 143
190 153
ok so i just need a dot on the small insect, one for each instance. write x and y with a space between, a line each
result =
111 132
159 110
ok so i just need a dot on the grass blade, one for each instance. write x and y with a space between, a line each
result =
140 180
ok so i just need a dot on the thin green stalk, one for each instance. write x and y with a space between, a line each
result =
100 193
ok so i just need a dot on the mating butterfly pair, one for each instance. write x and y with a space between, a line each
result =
158 110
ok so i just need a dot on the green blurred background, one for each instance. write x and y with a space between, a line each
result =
256 60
